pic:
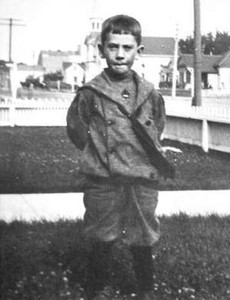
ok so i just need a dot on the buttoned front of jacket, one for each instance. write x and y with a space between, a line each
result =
109 146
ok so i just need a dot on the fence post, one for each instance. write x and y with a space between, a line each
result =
205 135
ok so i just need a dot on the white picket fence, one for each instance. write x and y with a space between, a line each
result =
215 93
211 113
50 112
208 127
34 112
205 126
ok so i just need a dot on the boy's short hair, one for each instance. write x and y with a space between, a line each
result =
121 24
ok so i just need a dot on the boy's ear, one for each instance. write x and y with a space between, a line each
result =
101 50
140 49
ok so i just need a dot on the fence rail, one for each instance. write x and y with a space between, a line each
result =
208 127
216 93
34 112
212 113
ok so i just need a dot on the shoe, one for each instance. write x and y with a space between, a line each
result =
108 293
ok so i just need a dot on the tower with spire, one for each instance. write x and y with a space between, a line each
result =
93 60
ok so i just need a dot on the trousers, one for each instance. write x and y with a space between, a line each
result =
121 212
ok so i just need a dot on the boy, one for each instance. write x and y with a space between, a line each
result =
121 194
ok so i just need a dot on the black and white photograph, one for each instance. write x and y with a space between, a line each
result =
114 150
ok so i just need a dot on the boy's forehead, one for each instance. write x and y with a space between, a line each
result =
120 38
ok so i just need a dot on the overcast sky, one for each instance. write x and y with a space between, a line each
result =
63 24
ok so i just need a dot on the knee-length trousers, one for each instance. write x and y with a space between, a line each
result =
124 212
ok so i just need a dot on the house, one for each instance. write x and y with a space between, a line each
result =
52 61
24 71
73 73
4 76
223 67
14 74
158 51
215 70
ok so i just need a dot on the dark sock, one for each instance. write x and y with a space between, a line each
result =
143 266
97 277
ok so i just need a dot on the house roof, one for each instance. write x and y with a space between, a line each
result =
208 62
59 52
66 65
52 61
158 45
224 61
152 45
25 67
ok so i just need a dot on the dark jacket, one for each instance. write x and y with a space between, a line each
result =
109 146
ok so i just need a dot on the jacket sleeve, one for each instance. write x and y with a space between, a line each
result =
160 115
78 117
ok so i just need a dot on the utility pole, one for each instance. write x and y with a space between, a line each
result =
196 101
175 64
10 24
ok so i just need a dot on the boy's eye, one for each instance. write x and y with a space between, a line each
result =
128 47
112 46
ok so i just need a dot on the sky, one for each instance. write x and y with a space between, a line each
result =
63 24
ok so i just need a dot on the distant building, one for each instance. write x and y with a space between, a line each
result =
24 71
52 61
215 70
4 76
20 73
73 73
93 63
158 51
223 67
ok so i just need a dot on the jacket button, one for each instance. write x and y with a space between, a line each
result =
148 123
152 175
110 122
111 151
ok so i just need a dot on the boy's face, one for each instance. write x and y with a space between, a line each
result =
120 51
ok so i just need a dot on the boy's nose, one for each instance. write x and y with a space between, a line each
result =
120 53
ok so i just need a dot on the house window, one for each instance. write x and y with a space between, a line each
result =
75 79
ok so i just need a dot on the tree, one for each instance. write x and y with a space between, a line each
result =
32 81
55 76
218 44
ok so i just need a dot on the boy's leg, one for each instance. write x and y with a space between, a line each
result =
142 232
143 267
102 222
97 269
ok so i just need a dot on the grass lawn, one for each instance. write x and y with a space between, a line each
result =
42 159
47 260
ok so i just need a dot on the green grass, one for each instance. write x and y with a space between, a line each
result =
42 159
46 260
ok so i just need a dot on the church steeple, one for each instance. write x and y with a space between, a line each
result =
96 23
95 20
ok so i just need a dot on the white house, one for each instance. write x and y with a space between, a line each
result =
73 73
223 67
158 51
215 70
